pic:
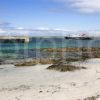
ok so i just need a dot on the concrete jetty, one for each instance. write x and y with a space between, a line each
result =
15 38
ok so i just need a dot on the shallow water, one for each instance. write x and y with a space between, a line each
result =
24 50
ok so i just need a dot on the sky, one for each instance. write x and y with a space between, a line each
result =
49 15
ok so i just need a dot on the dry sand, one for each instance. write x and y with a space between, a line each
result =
38 83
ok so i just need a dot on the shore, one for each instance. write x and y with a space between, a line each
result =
38 83
49 55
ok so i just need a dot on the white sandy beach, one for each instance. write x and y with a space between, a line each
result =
38 83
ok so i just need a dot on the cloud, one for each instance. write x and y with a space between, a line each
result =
41 31
83 6
86 6
4 24
2 31
6 29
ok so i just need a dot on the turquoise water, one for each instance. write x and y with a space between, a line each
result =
14 50
38 43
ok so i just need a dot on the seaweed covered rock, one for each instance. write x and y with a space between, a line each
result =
64 67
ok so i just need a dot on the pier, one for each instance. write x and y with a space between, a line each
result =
24 39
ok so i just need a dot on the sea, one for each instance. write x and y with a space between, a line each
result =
13 50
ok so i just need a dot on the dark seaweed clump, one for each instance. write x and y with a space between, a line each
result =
64 67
